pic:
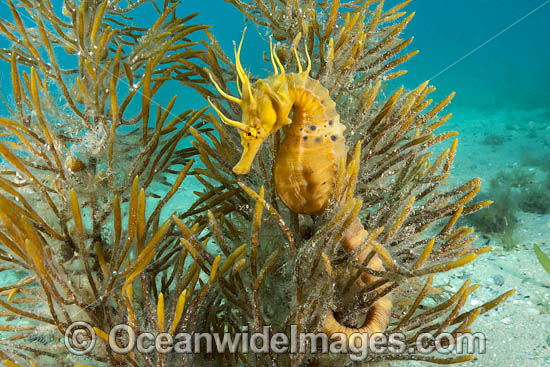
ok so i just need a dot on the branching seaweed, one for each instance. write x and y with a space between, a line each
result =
81 149
401 196
80 159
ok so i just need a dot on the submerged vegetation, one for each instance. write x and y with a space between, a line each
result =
535 197
513 191
84 231
543 259
501 218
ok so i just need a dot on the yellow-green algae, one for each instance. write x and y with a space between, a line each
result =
76 187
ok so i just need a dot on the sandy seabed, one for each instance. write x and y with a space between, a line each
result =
518 332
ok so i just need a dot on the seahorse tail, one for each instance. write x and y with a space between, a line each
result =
376 321
378 316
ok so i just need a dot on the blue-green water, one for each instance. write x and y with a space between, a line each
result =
510 70
495 54
501 47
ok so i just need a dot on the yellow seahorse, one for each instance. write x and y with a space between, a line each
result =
308 159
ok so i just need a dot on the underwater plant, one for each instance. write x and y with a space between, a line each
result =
501 218
276 143
543 259
494 139
81 149
360 250
513 190
535 197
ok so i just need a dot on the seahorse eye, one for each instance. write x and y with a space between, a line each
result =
251 133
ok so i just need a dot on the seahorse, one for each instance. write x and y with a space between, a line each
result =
308 158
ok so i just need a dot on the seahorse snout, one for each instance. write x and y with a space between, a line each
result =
250 148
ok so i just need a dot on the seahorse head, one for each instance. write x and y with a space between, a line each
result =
265 107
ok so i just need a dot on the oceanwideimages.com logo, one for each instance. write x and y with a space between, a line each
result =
81 338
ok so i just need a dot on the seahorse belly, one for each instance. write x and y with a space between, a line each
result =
308 159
